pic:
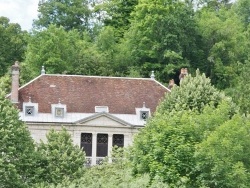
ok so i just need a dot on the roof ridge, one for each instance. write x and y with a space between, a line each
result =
109 77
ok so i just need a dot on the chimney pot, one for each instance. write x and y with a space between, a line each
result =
171 83
184 72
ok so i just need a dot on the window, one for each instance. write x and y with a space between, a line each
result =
101 109
102 145
86 143
29 110
144 115
118 140
59 112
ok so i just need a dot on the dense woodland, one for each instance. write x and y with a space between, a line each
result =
199 135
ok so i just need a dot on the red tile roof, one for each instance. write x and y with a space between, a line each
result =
82 93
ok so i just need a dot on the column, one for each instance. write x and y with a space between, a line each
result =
110 145
94 141
127 140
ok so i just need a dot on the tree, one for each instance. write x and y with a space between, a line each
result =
194 93
162 37
110 175
13 44
63 52
225 44
241 7
117 14
223 158
53 48
63 160
70 14
215 5
240 92
19 166
165 148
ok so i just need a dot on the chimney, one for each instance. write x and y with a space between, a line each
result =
183 73
171 84
15 82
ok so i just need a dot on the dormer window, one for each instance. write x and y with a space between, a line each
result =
59 110
29 110
144 115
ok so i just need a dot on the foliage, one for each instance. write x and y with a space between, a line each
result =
18 159
241 7
223 158
54 48
194 93
161 35
165 147
70 14
5 83
224 42
61 159
110 175
117 14
240 92
13 44
67 53
187 116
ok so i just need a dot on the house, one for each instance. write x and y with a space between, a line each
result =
99 112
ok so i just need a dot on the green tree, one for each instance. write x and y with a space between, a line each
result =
241 7
194 93
19 166
110 175
225 44
5 83
13 44
215 5
63 52
117 14
70 14
162 37
62 159
223 158
165 148
240 92
54 48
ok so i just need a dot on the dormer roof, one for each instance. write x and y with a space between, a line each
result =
82 94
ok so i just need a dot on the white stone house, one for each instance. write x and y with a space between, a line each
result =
99 112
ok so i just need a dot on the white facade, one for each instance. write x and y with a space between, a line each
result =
79 123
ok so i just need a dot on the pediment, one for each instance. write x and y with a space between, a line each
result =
103 119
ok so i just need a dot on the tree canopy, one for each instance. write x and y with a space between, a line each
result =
70 14
13 44
61 158
173 144
19 166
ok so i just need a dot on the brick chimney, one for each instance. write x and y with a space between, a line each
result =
15 82
183 73
171 84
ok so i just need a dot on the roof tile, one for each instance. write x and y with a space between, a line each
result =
82 93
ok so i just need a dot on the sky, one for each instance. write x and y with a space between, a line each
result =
22 12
